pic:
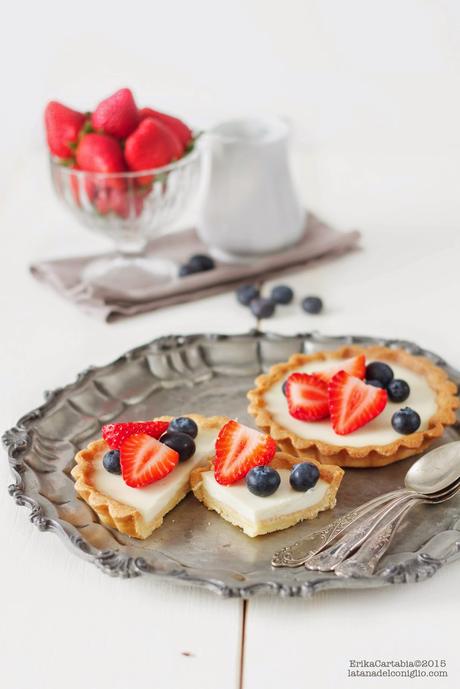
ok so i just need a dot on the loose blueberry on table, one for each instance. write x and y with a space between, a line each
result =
262 308
282 294
246 293
304 476
197 263
313 305
263 481
405 421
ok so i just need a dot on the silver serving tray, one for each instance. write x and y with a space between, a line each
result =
208 374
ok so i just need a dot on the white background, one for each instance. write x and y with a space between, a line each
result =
371 89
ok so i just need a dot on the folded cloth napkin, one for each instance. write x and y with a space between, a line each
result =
109 302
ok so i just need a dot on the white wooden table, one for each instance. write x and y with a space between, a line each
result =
65 624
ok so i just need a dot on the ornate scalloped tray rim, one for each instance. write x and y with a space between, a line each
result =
416 566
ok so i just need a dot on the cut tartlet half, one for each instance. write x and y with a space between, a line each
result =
137 512
432 395
261 515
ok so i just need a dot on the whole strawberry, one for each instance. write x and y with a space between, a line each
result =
117 115
100 153
63 125
180 129
152 145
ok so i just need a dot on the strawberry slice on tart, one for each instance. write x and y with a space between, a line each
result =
355 366
238 450
144 460
115 434
307 397
353 403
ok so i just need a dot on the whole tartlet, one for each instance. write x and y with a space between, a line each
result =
432 395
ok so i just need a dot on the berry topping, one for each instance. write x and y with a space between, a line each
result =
246 293
111 461
376 383
312 305
182 443
355 366
179 128
197 264
304 476
116 115
262 308
238 450
398 390
144 460
100 153
282 294
405 421
182 424
352 403
115 433
377 370
63 126
263 481
307 397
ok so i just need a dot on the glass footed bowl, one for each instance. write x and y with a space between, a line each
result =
130 208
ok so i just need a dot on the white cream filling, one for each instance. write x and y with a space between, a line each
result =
378 432
151 500
255 509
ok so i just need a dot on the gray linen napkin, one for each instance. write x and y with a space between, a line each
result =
105 303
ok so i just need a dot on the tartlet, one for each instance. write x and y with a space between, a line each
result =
433 396
137 512
257 516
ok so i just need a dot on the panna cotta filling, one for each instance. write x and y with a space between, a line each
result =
378 432
255 509
152 499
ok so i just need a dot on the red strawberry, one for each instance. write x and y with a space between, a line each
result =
116 115
307 397
100 153
355 366
126 204
63 126
115 433
352 403
144 460
179 128
239 449
152 145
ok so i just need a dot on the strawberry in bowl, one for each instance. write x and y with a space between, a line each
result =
123 171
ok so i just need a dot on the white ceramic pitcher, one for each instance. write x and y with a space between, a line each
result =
250 206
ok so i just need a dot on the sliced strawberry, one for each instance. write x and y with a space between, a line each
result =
355 366
144 459
307 397
239 449
115 433
352 403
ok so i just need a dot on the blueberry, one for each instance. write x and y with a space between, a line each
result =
262 308
111 461
263 481
283 388
282 294
182 443
304 476
312 304
182 424
201 262
398 390
376 383
405 421
246 293
184 270
377 370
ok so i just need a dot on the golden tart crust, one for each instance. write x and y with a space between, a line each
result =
124 518
447 402
330 474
